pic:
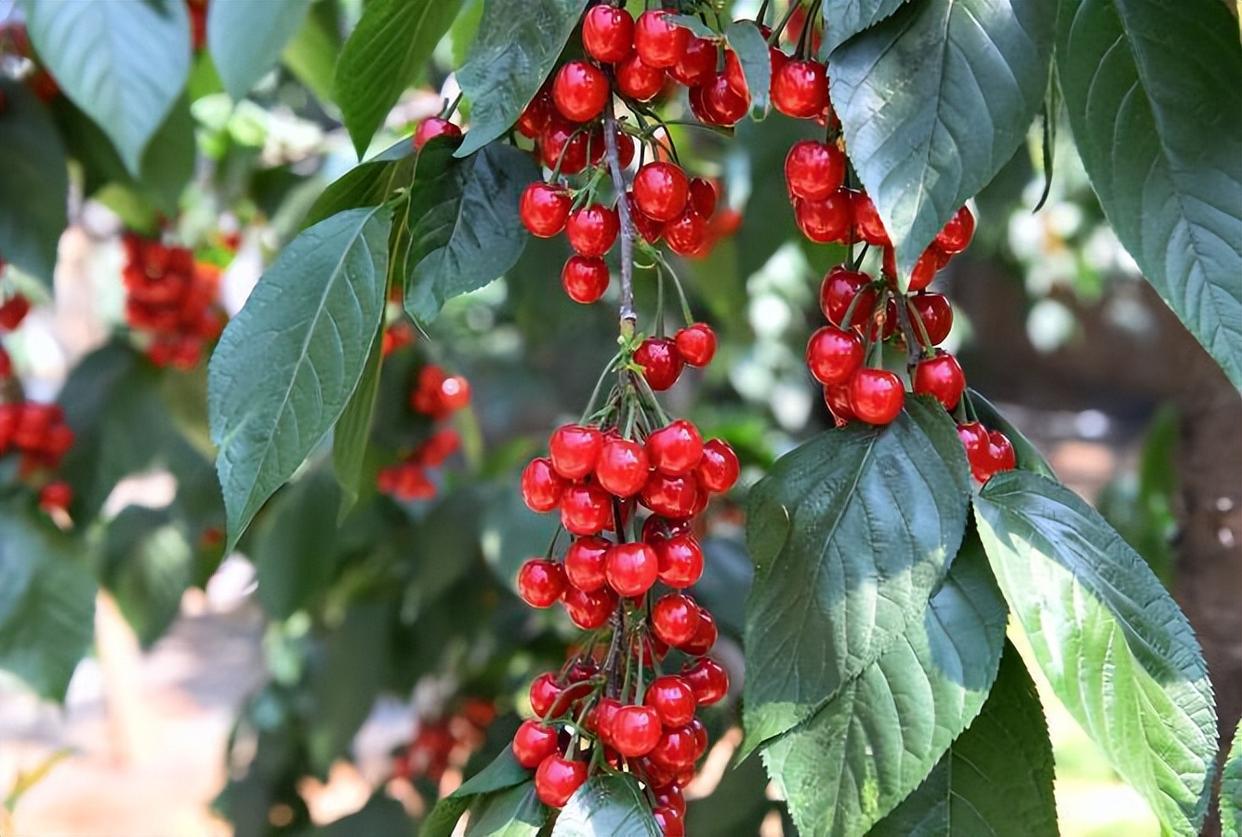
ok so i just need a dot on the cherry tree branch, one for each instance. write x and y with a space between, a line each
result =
629 319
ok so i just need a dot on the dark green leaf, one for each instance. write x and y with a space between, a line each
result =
935 100
348 679
996 779
148 564
245 38
464 225
34 183
609 804
382 816
294 553
850 533
879 737
349 440
518 42
843 19
1109 639
311 53
369 183
510 534
516 812
1231 788
124 62
1029 457
288 364
738 805
752 52
504 772
723 591
1156 109
384 54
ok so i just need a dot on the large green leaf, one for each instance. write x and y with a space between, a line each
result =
148 563
1231 788
245 38
880 736
47 602
34 183
517 45
1151 87
843 19
1109 639
738 805
516 812
464 224
996 779
501 774
610 804
311 53
850 534
353 430
369 183
287 365
935 100
382 815
384 54
124 62
295 551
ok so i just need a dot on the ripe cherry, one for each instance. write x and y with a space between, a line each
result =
940 377
657 41
675 497
704 637
703 196
670 796
590 610
432 127
574 449
867 220
876 395
622 467
670 821
826 220
697 64
602 718
545 692
557 779
649 228
580 91
923 272
607 33
696 344
58 494
814 170
584 278
721 102
800 89
676 749
562 144
639 80
542 486
661 190
833 354
687 233
631 568
535 115
837 398
673 699
584 563
544 208
934 311
957 233
675 618
533 742
675 448
586 509
975 440
1001 451
592 229
718 470
708 679
13 310
635 730
680 561
660 361
540 582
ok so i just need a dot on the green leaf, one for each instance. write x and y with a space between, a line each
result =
347 680
723 591
369 183
518 43
382 815
843 19
738 805
383 55
245 38
443 818
502 773
148 563
295 551
696 26
464 224
996 778
880 736
752 52
124 62
47 603
608 803
1231 788
1028 456
516 812
1108 638
353 429
1154 103
311 53
850 533
934 101
34 183
289 362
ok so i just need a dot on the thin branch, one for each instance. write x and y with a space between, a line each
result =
629 319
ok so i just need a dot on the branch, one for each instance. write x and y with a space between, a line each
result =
629 320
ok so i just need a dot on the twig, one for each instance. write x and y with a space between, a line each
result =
629 319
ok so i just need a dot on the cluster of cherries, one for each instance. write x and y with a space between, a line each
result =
436 395
38 433
12 311
172 300
442 742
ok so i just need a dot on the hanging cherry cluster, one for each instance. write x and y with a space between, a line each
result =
38 434
442 742
12 312
436 395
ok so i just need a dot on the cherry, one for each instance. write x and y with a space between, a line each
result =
670 796
800 89
660 361
680 561
676 749
704 637
876 395
675 448
580 91
976 441
814 170
544 208
924 270
708 679
602 718
607 33
544 694
867 220
957 233
826 220
675 618
1001 451
590 610
675 497
625 148
454 393
697 64
622 467
631 568
833 354
658 42
540 582
584 278
533 742
574 450
432 127
673 699
13 310
700 735
6 365
661 190
542 487
57 495
703 196
639 80
649 228
561 143
687 233
592 229
718 470
940 377
696 344
936 314
584 563
721 101
535 115
837 398
586 509
557 778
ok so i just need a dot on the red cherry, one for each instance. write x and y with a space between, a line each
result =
1001 451
574 449
671 822
876 395
956 235
660 361
635 730
661 190
704 637
680 561
57 495
544 209
723 104
607 33
675 497
867 220
923 272
639 80
580 91
540 582
670 796
533 742
675 448
590 610
936 314
697 64
602 718
586 509
686 234
535 115
838 290
631 568
649 228
658 41
13 310
676 749
825 221
940 377
673 699
814 170
584 278
592 229
837 398
622 467
696 344
976 441
657 528
432 127
542 487
833 354
584 563
544 694
700 735
557 778
718 470
708 679
675 618
561 143
800 89
703 196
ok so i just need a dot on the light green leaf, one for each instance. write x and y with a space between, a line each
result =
752 53
516 812
1154 102
607 804
311 53
245 38
370 183
295 551
850 534
148 564
1231 788
843 19
1108 638
288 364
34 183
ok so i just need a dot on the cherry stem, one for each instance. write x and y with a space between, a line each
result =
599 386
913 353
629 320
780 27
450 107
686 313
917 319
